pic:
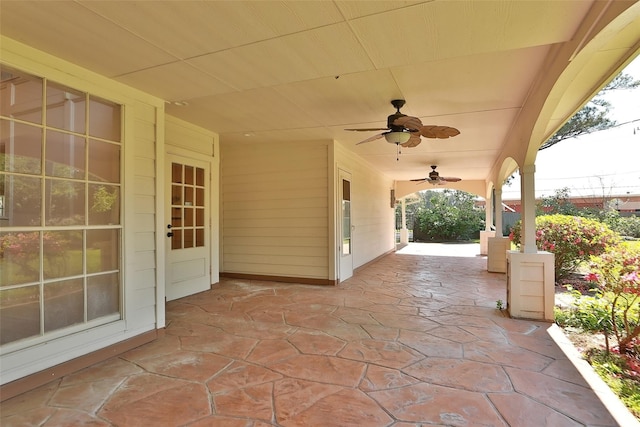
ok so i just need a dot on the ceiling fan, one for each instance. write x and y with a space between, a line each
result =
406 130
434 178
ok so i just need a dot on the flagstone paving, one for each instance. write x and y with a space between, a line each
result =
410 340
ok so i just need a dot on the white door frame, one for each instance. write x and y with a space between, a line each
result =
345 248
188 270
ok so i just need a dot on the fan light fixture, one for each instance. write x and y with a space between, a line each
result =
397 137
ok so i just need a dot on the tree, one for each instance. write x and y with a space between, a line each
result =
593 116
559 203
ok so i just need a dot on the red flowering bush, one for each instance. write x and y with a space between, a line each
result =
617 274
572 239
23 249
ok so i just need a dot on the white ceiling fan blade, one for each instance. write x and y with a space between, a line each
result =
367 130
419 180
372 138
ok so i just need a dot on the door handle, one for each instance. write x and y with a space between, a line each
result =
170 234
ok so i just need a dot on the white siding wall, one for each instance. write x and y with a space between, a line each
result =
140 286
142 121
275 209
371 211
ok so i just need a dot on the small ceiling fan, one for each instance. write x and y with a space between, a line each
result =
434 178
406 130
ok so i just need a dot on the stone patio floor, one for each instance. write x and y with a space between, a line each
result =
412 339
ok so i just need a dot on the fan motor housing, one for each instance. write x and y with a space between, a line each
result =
391 119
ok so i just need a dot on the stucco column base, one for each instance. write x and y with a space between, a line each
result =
404 235
530 285
497 254
484 241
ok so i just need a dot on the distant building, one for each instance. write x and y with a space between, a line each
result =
622 203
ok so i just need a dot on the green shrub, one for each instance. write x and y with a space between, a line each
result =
588 313
571 239
621 375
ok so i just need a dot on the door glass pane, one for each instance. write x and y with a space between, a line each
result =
63 304
188 196
104 161
22 201
104 204
200 217
20 148
19 313
188 238
188 217
346 227
199 196
200 177
103 295
176 217
103 250
20 95
19 258
62 253
64 202
66 108
346 217
346 190
176 172
176 195
200 237
188 175
104 119
176 239
65 155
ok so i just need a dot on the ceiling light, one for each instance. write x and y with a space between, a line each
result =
397 137
178 103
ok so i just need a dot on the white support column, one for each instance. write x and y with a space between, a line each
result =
404 233
497 194
530 273
484 235
488 209
528 215
498 245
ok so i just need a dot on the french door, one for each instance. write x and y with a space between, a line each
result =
188 266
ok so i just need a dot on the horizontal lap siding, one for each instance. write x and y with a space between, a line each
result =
141 302
275 209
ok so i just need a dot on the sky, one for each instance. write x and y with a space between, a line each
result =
602 163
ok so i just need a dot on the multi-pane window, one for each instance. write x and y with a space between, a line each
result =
60 223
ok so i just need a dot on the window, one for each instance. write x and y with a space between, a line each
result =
60 220
187 206
346 217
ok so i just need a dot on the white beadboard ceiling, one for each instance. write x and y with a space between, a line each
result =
306 70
